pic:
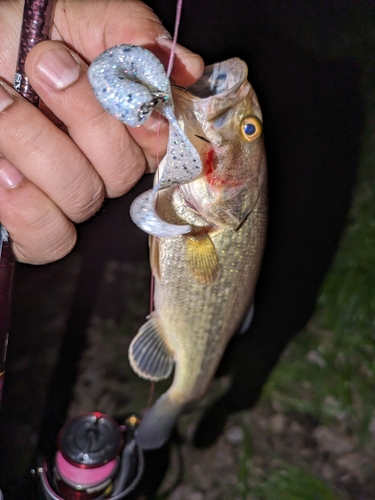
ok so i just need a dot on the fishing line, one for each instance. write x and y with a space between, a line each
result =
169 71
175 35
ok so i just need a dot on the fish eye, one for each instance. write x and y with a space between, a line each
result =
251 128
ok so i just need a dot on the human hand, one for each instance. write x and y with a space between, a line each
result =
50 179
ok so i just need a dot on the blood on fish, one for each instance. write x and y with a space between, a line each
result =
209 162
214 180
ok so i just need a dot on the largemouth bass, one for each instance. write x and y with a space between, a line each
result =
207 220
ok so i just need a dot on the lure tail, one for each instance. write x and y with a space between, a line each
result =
157 424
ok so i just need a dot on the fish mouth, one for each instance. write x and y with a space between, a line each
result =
221 87
220 79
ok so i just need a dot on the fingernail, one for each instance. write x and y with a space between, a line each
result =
10 177
58 69
5 98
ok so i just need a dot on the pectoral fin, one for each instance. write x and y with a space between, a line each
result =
149 356
202 258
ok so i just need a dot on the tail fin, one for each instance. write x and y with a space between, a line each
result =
157 424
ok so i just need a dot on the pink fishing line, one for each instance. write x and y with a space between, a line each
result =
175 35
74 475
152 284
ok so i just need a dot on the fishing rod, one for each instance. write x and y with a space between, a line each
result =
36 19
37 15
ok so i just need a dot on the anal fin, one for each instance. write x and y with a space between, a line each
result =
149 356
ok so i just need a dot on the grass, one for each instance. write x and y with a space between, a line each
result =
292 483
281 480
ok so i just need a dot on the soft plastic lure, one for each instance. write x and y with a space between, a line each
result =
130 82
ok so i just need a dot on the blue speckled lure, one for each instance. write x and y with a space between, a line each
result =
130 82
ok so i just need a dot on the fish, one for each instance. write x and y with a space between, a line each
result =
204 279
206 216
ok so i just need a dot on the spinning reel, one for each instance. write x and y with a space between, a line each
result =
96 459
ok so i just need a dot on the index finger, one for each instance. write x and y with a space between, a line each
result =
92 27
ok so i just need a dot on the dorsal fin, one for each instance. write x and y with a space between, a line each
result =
201 257
149 356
